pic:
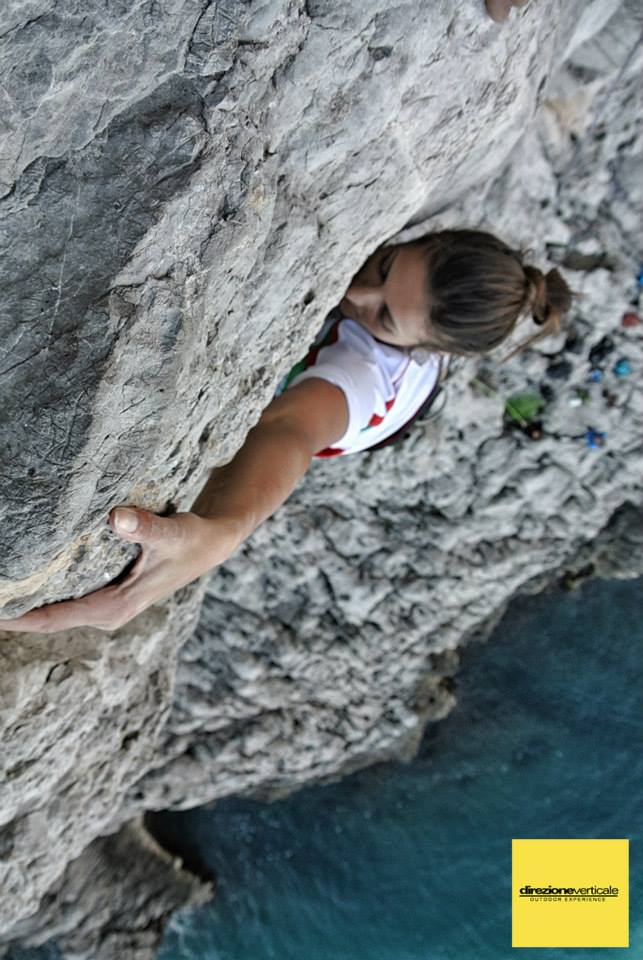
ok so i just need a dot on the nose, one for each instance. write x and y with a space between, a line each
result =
366 299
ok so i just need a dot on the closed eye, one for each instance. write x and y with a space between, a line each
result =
385 265
385 319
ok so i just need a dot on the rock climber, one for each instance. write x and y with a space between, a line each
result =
374 367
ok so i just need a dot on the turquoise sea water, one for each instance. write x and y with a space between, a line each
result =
413 862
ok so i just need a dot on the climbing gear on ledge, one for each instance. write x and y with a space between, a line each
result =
630 319
622 367
600 351
524 407
534 430
595 438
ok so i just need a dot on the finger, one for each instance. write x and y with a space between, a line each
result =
142 526
100 609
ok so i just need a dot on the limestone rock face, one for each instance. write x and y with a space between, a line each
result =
114 899
185 191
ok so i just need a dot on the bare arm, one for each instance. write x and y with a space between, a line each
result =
276 454
237 497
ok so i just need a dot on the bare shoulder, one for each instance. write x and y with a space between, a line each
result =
315 407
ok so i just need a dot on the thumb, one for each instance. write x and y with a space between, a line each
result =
139 526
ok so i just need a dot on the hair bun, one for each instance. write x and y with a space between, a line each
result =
537 295
549 297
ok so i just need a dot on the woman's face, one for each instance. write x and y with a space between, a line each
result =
388 295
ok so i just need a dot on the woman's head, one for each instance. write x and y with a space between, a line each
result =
456 291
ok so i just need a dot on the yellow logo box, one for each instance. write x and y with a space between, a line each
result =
570 893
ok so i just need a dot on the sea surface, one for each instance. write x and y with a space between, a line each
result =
413 861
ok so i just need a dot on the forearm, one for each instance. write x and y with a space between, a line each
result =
259 478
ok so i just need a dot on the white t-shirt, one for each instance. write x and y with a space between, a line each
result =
385 386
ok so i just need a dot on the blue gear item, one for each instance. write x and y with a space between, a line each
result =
622 367
594 438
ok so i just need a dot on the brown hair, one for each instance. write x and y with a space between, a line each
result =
479 288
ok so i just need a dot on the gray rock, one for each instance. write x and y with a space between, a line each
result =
113 900
184 195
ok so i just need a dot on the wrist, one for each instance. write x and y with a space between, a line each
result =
222 535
